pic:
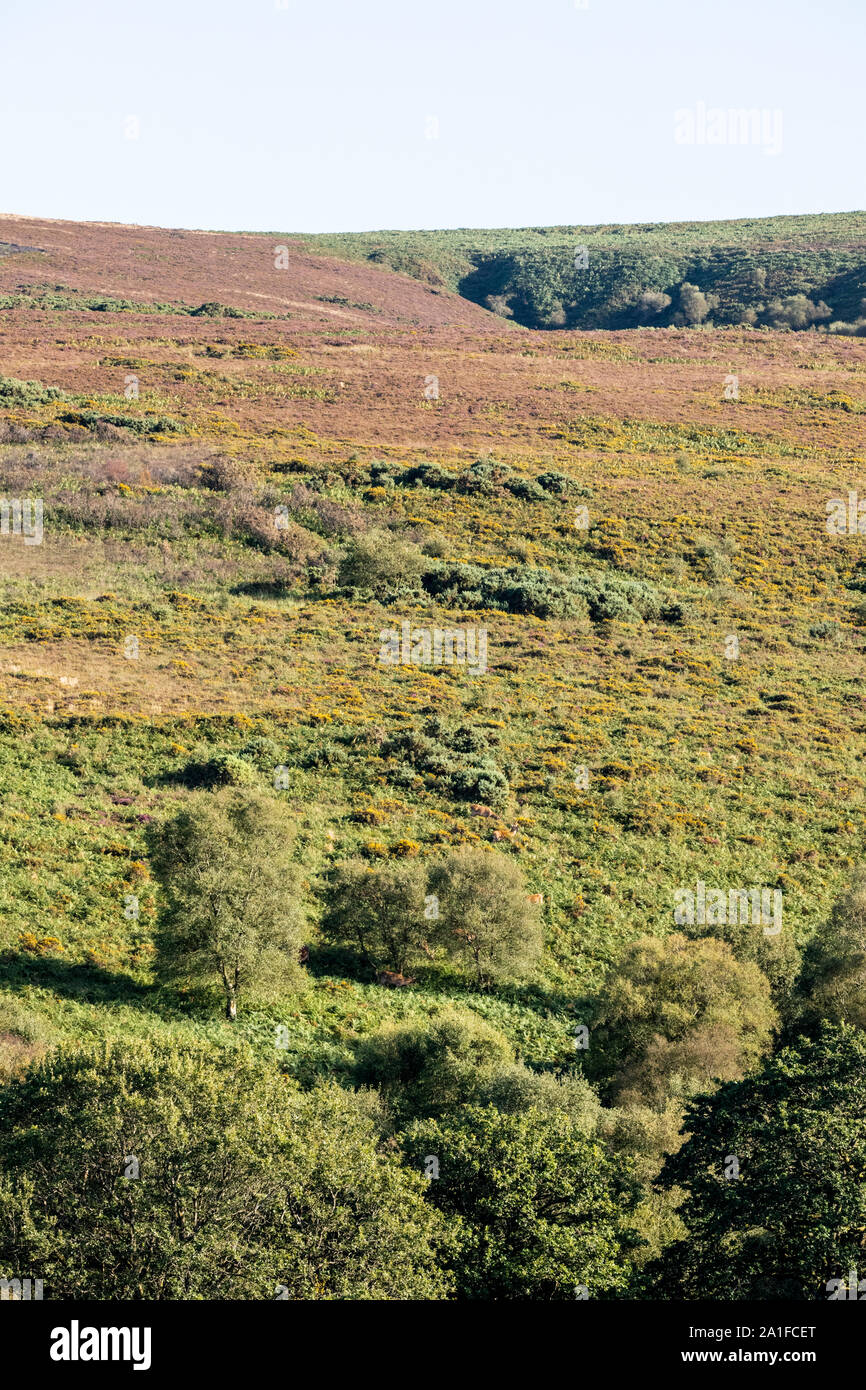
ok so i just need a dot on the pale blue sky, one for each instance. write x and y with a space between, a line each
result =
316 116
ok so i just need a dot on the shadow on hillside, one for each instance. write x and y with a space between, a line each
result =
87 983
262 588
337 962
280 588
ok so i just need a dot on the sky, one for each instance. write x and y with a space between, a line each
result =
324 115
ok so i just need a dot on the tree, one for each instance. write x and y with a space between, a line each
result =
515 1089
498 304
425 1069
651 303
231 894
674 1016
695 306
832 984
795 311
536 1208
150 1171
380 910
774 1174
485 918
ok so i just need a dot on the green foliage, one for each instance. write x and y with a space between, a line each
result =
383 565
239 1185
380 910
777 957
674 1016
24 1036
459 761
214 310
536 1208
224 769
517 590
231 894
515 1089
425 1069
138 424
489 478
14 392
485 919
832 984
794 1217
695 306
547 593
795 311
696 764
638 275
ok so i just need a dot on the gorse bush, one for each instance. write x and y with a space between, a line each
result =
14 392
488 477
224 769
137 424
536 592
548 594
460 762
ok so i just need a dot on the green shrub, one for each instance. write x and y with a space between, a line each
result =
224 769
383 565
138 424
14 392
426 1069
460 759
214 310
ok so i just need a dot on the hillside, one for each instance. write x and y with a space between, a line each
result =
66 265
538 276
217 441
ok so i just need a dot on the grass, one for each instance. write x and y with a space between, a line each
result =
739 772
